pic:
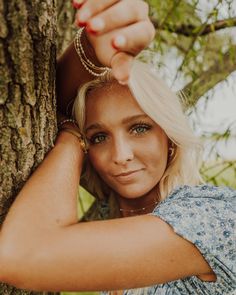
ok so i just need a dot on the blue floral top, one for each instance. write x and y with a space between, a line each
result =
204 215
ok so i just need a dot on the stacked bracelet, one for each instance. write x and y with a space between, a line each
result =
74 132
67 121
88 65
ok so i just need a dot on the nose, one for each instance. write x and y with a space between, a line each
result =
122 151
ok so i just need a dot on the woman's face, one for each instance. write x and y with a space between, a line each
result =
127 149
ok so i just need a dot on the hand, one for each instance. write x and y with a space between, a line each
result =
117 30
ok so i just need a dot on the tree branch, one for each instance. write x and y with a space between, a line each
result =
191 31
209 78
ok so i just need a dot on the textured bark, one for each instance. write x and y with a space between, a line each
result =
65 24
27 95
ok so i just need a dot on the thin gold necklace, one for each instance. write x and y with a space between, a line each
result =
139 209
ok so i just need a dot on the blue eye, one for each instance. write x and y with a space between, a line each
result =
97 138
140 129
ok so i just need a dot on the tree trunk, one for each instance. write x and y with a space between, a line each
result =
27 95
65 24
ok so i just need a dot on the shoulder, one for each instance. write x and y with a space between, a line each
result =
203 191
204 215
201 199
201 210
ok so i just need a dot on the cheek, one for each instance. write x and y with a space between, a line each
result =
156 152
98 160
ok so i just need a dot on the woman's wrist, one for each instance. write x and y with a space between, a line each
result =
89 50
70 126
69 141
67 138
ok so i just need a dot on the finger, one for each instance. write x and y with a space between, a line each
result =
93 7
117 16
134 38
121 64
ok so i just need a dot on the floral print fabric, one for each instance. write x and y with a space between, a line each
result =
205 216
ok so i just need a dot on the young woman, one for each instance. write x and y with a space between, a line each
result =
175 236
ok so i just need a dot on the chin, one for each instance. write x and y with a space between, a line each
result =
133 193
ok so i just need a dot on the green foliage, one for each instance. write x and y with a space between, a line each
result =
222 173
196 38
85 200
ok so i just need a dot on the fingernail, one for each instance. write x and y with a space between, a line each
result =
84 15
90 30
80 24
119 41
77 3
97 24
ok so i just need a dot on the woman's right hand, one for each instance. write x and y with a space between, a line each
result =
117 30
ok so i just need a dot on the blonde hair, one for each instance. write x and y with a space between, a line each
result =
163 106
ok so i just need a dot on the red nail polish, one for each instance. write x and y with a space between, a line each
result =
80 24
90 30
77 5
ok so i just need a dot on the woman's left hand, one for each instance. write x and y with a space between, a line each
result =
117 30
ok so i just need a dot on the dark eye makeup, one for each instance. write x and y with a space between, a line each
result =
140 128
97 138
136 129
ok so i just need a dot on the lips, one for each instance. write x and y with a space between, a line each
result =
127 173
127 177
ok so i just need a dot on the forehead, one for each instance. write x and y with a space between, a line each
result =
111 103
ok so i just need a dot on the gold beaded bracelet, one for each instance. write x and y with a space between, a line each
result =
67 121
88 65
74 132
79 136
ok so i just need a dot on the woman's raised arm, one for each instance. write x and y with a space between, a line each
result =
42 247
102 255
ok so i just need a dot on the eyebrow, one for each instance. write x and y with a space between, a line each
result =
126 120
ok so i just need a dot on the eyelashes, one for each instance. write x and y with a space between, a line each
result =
97 138
137 129
140 128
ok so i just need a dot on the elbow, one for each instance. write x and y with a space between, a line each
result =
15 268
10 272
6 262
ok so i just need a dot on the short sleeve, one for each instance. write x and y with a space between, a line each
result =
205 216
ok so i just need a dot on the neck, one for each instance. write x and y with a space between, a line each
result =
138 206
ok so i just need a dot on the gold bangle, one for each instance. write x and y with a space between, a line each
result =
79 136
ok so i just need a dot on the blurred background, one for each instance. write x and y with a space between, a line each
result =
195 52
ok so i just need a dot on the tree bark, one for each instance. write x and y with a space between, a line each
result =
65 24
27 95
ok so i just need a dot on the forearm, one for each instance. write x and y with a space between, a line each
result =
49 198
71 74
46 205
